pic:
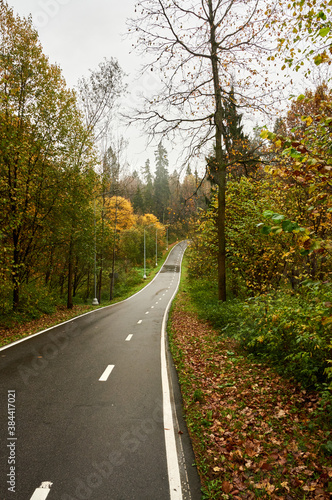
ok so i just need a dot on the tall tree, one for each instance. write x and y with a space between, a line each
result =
241 154
98 96
148 187
42 137
161 183
198 46
306 34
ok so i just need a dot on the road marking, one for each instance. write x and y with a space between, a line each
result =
139 322
106 373
152 307
128 339
42 492
172 458
147 312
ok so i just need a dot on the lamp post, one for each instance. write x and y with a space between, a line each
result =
114 241
144 276
95 300
156 247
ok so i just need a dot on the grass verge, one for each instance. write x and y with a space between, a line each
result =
254 433
20 327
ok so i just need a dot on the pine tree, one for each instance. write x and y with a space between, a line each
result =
161 183
237 146
148 188
138 201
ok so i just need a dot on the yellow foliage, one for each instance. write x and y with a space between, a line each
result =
119 213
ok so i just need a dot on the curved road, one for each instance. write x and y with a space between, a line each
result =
88 407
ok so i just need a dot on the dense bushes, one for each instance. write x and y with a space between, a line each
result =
293 331
290 330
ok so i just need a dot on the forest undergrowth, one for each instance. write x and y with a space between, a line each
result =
255 433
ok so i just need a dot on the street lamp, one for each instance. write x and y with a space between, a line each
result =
144 276
156 247
95 300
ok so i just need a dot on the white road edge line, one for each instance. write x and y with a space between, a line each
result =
42 492
106 373
130 336
8 346
174 478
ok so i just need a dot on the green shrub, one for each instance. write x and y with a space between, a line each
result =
290 330
293 331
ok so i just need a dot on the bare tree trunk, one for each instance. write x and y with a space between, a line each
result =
221 168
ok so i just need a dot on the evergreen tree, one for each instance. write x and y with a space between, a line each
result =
148 188
138 202
111 169
237 147
161 183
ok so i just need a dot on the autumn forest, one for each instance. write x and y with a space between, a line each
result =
253 200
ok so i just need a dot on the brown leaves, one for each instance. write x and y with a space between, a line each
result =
17 331
251 430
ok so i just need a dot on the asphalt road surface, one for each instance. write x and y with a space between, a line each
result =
90 409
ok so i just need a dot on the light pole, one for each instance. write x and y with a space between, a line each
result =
156 247
95 300
144 276
114 241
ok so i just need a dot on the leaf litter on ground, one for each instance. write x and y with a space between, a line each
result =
254 434
18 330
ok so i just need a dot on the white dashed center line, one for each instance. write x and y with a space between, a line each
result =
42 492
128 339
139 322
106 373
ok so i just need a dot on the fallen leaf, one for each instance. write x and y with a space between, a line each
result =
226 487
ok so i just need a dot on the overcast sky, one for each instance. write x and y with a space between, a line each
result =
78 35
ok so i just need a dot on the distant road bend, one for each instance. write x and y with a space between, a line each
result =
91 409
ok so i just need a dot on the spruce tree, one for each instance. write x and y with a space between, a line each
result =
148 188
161 183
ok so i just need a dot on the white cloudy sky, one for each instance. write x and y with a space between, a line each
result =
78 35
